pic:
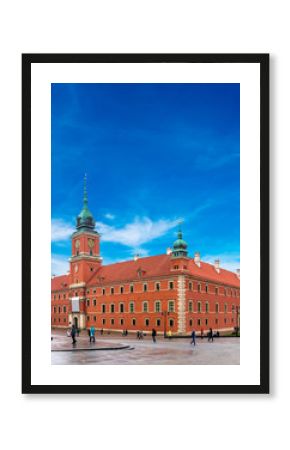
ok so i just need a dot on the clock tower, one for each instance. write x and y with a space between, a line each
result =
85 259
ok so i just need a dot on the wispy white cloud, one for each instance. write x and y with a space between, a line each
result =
134 235
229 261
59 265
137 233
109 216
60 230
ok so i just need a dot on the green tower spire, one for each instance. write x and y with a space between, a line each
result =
85 220
179 246
85 192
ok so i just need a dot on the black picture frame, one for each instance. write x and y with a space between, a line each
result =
27 61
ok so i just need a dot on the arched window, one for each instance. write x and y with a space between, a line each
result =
112 308
199 287
132 307
147 322
171 306
206 307
121 307
199 307
134 322
103 308
171 322
226 308
190 306
157 306
145 306
216 307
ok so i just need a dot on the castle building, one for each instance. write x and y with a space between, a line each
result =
172 291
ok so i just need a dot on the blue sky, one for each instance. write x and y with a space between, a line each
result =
153 153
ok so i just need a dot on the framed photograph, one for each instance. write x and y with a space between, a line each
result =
145 247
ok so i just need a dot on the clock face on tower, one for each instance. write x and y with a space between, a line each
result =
91 243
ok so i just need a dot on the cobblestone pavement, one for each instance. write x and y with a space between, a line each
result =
223 351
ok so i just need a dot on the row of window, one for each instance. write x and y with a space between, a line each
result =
157 307
59 309
59 320
199 322
229 292
133 322
145 306
206 307
158 322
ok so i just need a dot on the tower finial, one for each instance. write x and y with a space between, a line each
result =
85 192
180 222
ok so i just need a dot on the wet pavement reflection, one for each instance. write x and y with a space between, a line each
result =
119 350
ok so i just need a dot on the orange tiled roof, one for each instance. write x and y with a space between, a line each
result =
60 282
156 266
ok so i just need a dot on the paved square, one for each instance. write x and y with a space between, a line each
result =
113 349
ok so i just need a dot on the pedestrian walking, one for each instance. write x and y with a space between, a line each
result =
92 334
210 335
201 333
73 334
154 335
193 337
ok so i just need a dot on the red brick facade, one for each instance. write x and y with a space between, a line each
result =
164 292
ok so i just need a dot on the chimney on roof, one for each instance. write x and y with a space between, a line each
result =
197 258
217 265
238 273
136 257
168 251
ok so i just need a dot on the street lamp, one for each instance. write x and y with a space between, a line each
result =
165 314
238 319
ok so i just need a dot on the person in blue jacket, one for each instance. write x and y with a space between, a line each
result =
92 334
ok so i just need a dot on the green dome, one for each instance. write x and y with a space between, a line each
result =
180 243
